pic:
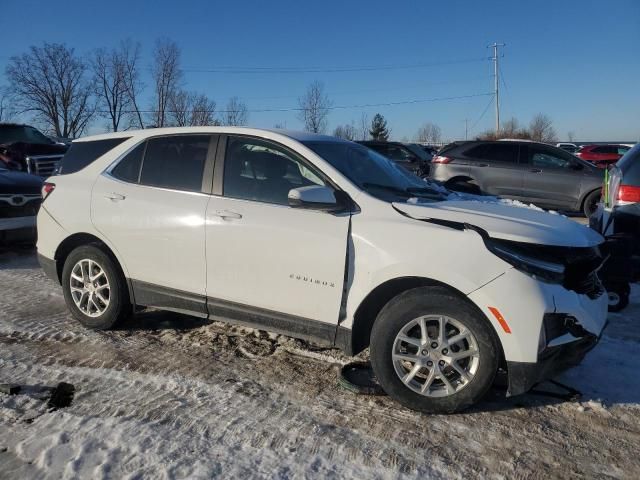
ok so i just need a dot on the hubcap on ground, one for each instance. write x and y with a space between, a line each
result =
435 372
89 287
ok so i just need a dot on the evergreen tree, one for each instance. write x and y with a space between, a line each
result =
379 130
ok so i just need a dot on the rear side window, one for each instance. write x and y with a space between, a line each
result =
175 162
82 154
128 169
497 152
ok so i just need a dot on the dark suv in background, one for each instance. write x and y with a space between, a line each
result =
410 156
531 172
26 149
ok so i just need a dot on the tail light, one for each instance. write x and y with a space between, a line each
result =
47 188
441 159
628 194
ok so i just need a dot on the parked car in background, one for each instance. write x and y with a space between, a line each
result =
409 156
528 171
568 147
602 155
621 207
26 149
326 240
20 197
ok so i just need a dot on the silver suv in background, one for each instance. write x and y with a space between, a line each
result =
522 170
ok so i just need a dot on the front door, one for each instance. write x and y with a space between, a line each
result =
264 257
553 177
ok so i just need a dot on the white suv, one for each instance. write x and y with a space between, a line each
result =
328 241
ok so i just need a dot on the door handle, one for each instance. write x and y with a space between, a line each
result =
115 197
535 170
483 164
226 214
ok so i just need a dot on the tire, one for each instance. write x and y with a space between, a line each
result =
463 186
109 285
433 304
590 204
618 297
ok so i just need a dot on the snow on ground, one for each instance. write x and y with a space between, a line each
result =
172 396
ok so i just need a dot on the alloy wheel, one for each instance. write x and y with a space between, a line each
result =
435 355
90 289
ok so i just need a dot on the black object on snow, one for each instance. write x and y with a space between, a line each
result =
358 377
9 389
61 396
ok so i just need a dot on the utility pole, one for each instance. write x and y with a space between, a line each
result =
496 83
466 128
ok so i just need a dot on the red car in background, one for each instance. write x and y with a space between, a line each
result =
602 155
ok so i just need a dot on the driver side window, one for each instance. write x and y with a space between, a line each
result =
264 172
544 158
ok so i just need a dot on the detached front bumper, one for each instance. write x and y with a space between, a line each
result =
547 328
524 375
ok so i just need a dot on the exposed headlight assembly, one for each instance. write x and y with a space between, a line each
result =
520 257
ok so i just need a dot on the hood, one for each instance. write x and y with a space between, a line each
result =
23 148
507 222
19 182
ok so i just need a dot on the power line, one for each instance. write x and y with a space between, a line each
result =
334 107
482 114
317 69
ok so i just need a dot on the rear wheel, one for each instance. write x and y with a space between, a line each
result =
590 204
433 352
618 296
94 288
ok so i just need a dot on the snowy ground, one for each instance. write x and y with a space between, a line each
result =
171 396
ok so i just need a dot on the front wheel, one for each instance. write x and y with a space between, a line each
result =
433 352
94 288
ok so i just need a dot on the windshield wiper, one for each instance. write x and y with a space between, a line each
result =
423 192
388 188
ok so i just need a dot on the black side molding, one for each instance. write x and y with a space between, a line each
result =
152 295
285 324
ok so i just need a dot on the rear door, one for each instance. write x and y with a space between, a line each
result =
553 177
151 206
268 263
496 168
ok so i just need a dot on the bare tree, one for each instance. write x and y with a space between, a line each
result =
203 112
347 131
363 129
109 72
541 129
235 113
510 128
133 85
50 82
166 78
571 135
429 133
280 125
314 108
191 109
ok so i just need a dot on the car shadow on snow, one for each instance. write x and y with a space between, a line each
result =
161 320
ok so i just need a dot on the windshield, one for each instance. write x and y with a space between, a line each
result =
375 173
21 133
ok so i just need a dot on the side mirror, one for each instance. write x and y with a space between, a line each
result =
314 197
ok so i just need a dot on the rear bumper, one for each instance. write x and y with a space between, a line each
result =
49 267
524 375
